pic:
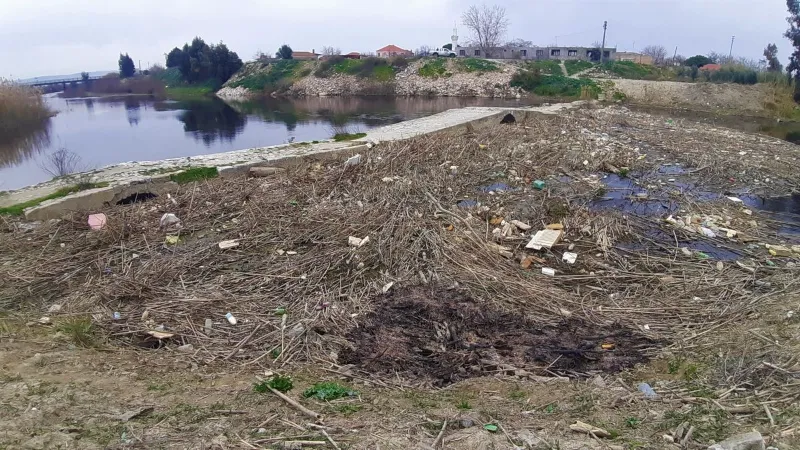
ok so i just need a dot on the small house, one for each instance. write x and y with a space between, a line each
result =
393 50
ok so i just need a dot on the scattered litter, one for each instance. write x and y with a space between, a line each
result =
521 225
44 321
569 257
169 220
387 286
353 161
720 266
555 226
538 184
548 271
735 199
160 335
224 245
482 146
357 242
209 326
97 221
608 346
387 179
291 253
231 319
54 308
748 212
582 427
172 199
280 311
647 390
707 232
545 239
172 240
686 251
490 427
747 268
779 250
116 316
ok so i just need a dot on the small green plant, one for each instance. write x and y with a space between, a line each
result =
619 96
347 409
575 65
278 382
674 366
517 394
80 330
551 408
194 174
623 172
340 137
691 372
632 422
328 391
463 404
478 65
546 66
275 353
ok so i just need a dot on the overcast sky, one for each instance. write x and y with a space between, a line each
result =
52 37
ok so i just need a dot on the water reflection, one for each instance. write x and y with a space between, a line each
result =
14 151
212 120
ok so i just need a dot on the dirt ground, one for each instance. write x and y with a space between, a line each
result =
441 330
742 99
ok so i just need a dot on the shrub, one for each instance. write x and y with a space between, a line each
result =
274 78
376 68
22 110
433 69
629 69
575 66
554 85
194 174
478 65
199 61
546 66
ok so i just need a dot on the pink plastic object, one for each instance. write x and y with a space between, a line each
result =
97 221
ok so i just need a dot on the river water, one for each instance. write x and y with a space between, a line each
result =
104 131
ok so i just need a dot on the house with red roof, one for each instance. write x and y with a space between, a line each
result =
393 50
711 67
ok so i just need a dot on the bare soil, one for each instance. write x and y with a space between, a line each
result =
743 99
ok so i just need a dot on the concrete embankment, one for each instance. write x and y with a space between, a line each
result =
154 177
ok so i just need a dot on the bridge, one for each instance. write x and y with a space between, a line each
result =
63 81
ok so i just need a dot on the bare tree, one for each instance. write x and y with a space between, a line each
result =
677 60
519 43
597 44
488 25
657 52
423 51
60 163
331 51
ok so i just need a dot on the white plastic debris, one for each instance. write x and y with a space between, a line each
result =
707 232
735 199
387 286
54 308
357 242
387 179
545 239
231 319
224 245
569 257
353 161
521 225
548 271
169 220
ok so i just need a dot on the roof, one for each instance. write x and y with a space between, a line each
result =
304 54
393 48
713 67
354 54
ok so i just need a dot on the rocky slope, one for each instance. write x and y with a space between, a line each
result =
455 82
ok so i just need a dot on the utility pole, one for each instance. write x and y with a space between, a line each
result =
603 49
730 54
675 55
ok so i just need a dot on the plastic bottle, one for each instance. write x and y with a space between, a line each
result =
231 319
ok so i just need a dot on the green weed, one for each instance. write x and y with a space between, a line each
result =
554 85
463 404
477 65
575 66
80 330
19 208
277 382
194 174
433 69
551 408
674 366
347 409
340 137
277 75
546 66
328 391
632 422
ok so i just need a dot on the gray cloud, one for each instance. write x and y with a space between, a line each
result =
51 37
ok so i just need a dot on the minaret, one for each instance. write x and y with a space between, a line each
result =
454 38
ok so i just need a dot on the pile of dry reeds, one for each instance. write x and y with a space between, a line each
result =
294 256
22 109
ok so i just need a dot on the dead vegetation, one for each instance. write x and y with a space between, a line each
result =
436 295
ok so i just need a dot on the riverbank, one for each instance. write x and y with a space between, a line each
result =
394 298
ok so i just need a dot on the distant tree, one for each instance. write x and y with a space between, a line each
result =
518 43
698 61
677 60
331 51
793 34
285 52
597 44
694 72
771 58
448 46
126 66
657 52
423 51
488 26
86 79
199 62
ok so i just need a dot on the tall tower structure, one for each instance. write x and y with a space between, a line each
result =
454 38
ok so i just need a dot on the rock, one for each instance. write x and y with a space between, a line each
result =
599 381
54 308
529 438
467 423
746 441
35 360
188 348
224 245
169 220
521 225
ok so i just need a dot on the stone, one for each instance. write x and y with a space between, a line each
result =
188 348
467 423
169 220
747 441
54 308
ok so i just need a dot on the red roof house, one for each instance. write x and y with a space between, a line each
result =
393 50
711 67
305 55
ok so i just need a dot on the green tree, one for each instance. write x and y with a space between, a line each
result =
199 62
771 57
285 52
793 34
698 61
448 46
126 66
